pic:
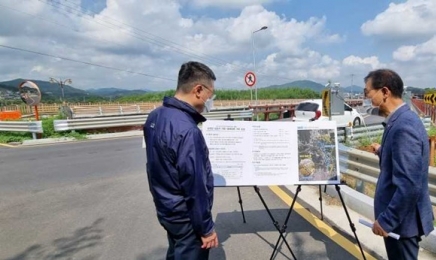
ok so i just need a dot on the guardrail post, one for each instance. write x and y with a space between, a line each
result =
138 109
100 110
121 110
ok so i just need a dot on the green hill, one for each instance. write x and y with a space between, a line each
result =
302 84
116 92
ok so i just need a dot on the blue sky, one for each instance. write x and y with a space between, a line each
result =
314 40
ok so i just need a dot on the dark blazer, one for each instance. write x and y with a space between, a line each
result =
178 167
402 201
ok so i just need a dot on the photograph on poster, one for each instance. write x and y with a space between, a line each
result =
317 155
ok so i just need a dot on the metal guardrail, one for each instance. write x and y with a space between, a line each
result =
357 133
135 120
33 127
365 166
124 110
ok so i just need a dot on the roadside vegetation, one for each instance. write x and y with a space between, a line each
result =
283 93
49 132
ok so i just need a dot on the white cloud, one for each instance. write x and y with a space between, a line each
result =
229 3
409 19
153 44
420 52
367 62
404 53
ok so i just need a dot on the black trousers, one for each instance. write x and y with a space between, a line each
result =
402 249
183 243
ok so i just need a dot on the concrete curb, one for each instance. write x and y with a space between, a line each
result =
48 141
88 137
364 205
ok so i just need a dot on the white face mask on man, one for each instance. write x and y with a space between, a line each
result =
208 104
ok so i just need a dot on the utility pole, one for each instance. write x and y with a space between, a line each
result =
351 89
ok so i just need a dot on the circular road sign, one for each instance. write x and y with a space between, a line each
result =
250 79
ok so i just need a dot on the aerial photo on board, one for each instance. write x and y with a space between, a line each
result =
317 155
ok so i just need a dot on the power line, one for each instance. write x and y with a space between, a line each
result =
182 50
59 24
103 66
143 31
85 62
131 33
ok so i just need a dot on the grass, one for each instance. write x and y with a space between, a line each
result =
431 131
10 137
48 129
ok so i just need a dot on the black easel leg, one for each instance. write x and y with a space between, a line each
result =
285 225
276 224
353 228
320 201
240 203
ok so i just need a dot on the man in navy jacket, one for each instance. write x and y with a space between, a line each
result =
178 167
402 202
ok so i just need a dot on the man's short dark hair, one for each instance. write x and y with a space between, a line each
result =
386 78
193 72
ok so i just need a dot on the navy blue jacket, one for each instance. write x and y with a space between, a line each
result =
178 166
402 201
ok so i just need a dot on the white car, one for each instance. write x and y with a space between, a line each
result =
311 110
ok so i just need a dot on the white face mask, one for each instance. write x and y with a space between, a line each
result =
208 104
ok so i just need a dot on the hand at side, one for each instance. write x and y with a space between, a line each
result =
210 241
375 147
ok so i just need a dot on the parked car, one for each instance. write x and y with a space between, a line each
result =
311 110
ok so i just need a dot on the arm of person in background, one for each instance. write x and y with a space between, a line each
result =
192 167
406 162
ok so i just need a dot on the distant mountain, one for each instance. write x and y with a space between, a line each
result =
414 90
303 84
116 92
53 92
7 87
353 89
47 89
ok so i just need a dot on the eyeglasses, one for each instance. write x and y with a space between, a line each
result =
366 91
208 88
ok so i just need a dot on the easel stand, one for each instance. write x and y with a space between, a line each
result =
240 203
283 229
276 224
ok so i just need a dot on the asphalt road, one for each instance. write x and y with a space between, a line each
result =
89 200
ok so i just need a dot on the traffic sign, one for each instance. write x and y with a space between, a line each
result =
326 102
430 99
250 79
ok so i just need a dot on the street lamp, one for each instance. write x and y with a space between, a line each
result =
61 84
254 58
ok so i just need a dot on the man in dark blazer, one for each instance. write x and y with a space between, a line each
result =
402 202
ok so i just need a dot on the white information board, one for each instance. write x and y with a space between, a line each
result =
248 153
